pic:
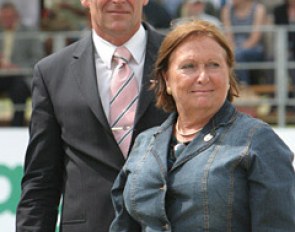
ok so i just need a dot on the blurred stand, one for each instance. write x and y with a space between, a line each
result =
18 52
268 99
62 16
197 10
29 11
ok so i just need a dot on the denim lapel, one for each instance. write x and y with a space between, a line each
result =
202 142
209 135
161 144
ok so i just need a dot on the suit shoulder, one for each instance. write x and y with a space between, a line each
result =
154 36
65 54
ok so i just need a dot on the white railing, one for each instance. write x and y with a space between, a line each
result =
277 60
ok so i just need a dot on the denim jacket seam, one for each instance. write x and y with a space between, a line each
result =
246 156
163 173
231 194
134 189
134 179
204 183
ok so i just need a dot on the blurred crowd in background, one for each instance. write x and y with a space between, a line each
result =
30 17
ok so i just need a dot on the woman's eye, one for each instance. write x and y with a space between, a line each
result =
213 65
187 66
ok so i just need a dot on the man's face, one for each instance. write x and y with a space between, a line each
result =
113 19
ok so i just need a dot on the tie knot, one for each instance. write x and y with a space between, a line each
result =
123 54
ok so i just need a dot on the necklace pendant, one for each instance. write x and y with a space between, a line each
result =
179 146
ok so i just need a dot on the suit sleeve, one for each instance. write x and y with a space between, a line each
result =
43 170
123 222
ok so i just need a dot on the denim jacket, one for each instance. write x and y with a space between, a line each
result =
235 176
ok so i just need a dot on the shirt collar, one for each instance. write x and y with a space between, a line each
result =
136 46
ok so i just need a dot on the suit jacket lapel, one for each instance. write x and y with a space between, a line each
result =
83 69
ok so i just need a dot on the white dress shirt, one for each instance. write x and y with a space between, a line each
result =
103 61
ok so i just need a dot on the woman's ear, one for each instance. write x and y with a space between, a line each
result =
165 77
168 88
85 3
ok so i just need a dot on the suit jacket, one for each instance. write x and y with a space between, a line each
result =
72 150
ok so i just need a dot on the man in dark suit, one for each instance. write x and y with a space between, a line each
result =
72 151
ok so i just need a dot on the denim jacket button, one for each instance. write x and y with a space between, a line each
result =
163 188
166 226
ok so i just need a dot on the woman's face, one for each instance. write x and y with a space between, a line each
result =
198 75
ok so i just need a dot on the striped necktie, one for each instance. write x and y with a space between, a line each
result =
124 98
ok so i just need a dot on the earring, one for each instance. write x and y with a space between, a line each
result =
168 90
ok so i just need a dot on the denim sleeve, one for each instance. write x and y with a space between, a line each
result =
123 222
271 179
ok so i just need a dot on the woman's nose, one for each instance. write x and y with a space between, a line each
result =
202 75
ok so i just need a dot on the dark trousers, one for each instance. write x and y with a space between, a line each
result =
18 91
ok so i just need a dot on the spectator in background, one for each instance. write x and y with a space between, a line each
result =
29 11
195 10
218 4
63 16
270 5
248 45
284 14
16 53
172 7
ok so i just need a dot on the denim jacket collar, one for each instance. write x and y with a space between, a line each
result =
224 116
160 148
